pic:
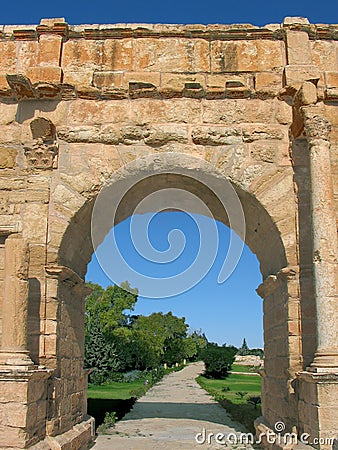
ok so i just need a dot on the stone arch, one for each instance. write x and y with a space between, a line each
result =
266 240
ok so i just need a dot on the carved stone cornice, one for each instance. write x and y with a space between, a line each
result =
6 230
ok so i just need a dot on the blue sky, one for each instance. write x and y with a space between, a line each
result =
257 12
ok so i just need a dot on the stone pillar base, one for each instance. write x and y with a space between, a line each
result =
80 437
23 406
15 359
317 407
325 362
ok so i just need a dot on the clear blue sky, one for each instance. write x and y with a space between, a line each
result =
257 12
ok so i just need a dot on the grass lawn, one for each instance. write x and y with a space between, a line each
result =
239 408
114 390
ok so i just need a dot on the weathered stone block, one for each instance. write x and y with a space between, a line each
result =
46 74
268 83
8 57
298 47
324 55
79 55
8 157
49 50
295 75
118 54
246 56
174 55
162 111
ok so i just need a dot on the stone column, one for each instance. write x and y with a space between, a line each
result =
15 304
324 238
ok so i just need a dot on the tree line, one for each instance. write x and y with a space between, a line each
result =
116 341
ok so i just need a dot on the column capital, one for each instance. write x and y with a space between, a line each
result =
317 127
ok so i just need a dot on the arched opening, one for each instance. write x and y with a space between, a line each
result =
261 235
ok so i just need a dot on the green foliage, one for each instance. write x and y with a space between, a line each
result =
138 392
159 338
241 394
218 360
109 422
245 350
108 306
100 354
116 341
254 400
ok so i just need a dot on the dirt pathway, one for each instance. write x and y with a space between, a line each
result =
170 416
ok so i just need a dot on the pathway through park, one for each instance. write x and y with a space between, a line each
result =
170 416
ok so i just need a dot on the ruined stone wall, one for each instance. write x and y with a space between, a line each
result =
79 102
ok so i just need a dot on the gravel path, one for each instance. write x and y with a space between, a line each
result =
170 416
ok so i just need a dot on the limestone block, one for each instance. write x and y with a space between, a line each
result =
81 54
308 93
78 77
49 50
118 54
283 112
215 86
331 79
172 55
246 56
216 135
8 57
88 112
35 223
164 134
162 111
298 47
7 112
7 157
324 54
268 83
109 78
233 111
253 133
296 74
27 52
295 20
48 74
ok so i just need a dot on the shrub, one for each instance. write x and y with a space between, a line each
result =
138 392
254 400
241 395
109 422
218 360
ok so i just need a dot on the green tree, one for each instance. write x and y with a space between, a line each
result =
105 318
218 360
159 338
100 354
244 350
